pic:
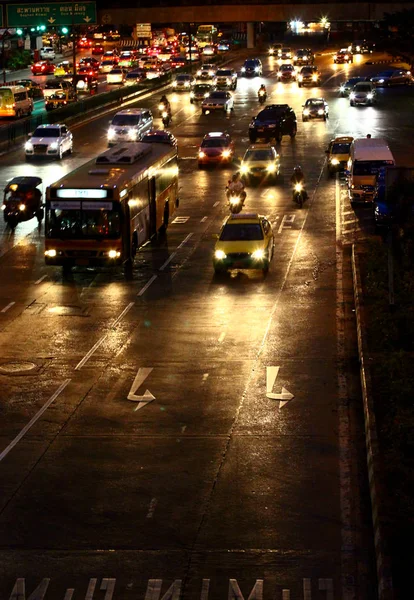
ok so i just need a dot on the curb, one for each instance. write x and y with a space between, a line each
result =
383 560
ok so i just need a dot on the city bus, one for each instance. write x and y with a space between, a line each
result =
206 35
102 212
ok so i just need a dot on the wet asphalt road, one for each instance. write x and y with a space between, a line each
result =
212 485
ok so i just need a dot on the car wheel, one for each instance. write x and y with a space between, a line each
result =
300 85
28 158
352 103
219 270
265 268
304 119
294 132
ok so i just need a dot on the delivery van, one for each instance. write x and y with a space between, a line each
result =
15 101
367 157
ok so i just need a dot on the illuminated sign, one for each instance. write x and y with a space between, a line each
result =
79 193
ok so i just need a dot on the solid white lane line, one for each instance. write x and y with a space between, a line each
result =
151 509
216 203
91 351
34 419
122 315
40 280
6 308
203 219
169 259
185 240
146 286
222 336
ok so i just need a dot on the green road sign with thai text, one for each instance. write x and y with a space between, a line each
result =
65 13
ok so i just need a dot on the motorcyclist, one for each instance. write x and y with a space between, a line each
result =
167 106
297 176
236 186
262 88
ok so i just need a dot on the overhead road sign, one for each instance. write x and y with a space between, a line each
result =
48 13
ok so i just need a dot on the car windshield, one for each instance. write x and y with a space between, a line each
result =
108 62
116 71
307 70
125 120
156 138
83 220
51 132
202 88
271 113
218 95
258 155
354 81
50 85
183 78
314 103
286 68
250 63
233 232
371 167
215 143
223 73
340 148
362 87
385 74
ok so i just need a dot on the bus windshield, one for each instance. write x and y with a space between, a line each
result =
86 220
370 167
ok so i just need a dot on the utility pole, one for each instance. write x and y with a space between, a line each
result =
74 44
190 47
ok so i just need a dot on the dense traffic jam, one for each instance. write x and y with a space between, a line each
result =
211 87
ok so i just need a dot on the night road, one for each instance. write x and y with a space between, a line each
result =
213 487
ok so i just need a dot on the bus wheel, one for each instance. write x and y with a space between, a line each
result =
134 246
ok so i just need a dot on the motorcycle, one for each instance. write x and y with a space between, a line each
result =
163 107
299 194
262 96
22 201
235 200
166 118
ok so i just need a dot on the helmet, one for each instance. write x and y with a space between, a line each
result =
235 176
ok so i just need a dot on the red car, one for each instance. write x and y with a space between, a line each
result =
43 67
88 70
178 61
98 49
85 43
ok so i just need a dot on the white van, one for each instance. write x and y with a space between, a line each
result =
129 125
367 156
15 101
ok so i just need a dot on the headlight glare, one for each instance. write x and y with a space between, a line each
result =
334 161
226 153
258 254
306 111
28 146
220 255
244 169
271 168
111 133
22 207
54 146
51 252
370 96
352 95
114 253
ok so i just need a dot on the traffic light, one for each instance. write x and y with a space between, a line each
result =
19 31
65 30
40 28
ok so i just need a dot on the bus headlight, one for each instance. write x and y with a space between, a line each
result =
22 207
51 253
220 255
111 133
114 253
258 254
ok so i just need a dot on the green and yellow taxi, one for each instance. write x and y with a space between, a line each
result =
260 161
63 69
245 242
338 153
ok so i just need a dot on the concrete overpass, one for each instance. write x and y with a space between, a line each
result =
233 13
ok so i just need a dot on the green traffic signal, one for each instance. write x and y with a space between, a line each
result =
43 28
19 31
65 30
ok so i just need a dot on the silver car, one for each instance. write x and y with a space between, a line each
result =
363 93
218 100
51 141
200 92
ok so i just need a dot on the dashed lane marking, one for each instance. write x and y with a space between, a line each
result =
216 203
286 222
146 286
203 219
185 240
40 279
151 508
6 308
167 262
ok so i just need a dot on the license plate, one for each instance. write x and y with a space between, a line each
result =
260 129
238 265
82 262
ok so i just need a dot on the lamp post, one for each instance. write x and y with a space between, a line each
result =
3 55
74 43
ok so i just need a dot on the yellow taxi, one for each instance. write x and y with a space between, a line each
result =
63 69
245 242
260 161
338 153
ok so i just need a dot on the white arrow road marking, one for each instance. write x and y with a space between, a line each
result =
284 396
138 381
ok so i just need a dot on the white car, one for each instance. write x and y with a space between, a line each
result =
51 141
209 51
117 75
206 72
183 83
107 65
218 100
47 52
